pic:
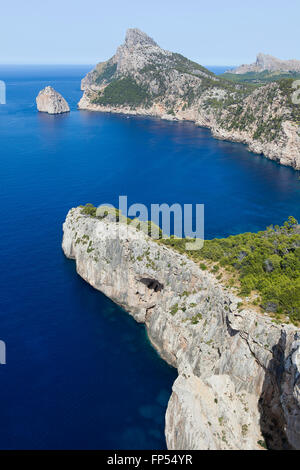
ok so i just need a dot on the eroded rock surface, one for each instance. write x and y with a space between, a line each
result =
51 102
238 372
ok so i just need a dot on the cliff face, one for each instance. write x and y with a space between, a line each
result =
51 102
238 373
269 63
141 78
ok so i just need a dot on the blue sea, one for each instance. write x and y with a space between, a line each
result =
80 372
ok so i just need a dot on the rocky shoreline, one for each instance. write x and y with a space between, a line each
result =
238 379
285 153
144 79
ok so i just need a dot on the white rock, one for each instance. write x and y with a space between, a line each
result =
238 372
51 102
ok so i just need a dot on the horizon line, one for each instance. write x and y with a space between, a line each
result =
29 64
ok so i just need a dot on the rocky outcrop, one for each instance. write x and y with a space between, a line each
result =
141 78
138 52
51 102
266 62
238 379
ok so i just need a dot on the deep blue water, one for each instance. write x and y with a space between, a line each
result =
80 372
218 69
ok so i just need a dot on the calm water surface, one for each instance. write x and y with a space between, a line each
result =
80 372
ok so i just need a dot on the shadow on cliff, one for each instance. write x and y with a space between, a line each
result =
272 419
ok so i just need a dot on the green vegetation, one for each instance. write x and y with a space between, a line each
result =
259 77
286 87
195 319
91 210
107 72
184 65
269 129
266 125
89 248
148 227
273 105
262 444
157 73
185 293
267 262
125 91
224 96
174 309
244 429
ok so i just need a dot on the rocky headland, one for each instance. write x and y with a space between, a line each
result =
238 384
270 63
144 79
51 102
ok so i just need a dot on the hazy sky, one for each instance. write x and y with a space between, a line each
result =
217 32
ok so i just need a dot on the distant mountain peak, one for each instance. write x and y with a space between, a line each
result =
135 36
261 58
142 78
267 62
142 58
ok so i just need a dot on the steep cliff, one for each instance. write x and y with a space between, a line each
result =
141 78
51 102
238 379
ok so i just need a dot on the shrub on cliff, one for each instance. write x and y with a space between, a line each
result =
125 91
267 262
89 209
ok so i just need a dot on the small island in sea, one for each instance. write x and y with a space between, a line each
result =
51 102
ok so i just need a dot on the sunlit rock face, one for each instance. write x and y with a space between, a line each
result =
270 63
238 372
144 79
51 102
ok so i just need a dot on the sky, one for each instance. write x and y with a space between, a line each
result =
218 32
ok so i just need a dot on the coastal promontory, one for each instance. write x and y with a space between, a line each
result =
238 369
144 79
51 102
266 62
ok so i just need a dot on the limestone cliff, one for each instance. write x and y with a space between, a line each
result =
238 373
141 78
51 102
